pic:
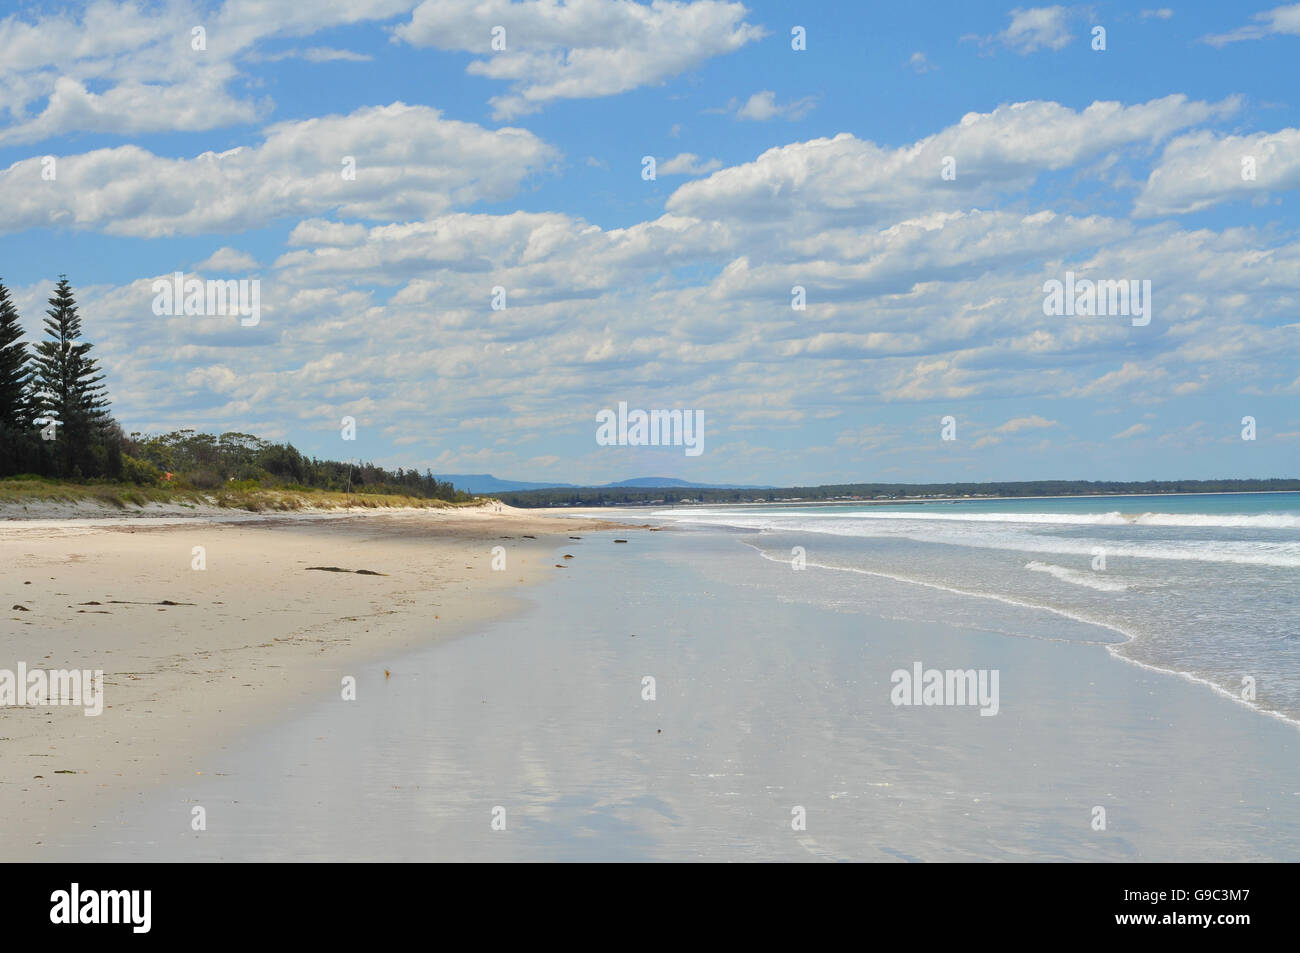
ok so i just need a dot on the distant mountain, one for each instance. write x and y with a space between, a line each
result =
486 483
672 482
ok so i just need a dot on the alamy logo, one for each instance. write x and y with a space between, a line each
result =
39 688
192 296
655 428
133 907
947 687
1107 297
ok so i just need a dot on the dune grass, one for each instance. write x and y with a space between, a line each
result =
124 496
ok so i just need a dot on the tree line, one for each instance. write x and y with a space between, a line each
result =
55 423
878 492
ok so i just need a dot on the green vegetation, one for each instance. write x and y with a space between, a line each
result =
878 492
30 489
239 461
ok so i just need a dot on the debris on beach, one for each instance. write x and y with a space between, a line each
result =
620 541
359 572
128 602
18 608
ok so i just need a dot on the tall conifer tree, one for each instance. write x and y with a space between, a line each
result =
15 372
68 384
17 441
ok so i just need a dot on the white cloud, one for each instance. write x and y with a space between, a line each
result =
1134 431
1025 423
763 106
227 259
118 67
131 107
579 49
318 231
853 179
1202 169
688 163
1032 29
1278 21
919 63
410 162
316 54
1037 28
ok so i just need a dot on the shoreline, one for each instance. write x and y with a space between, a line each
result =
787 703
914 501
194 661
1112 648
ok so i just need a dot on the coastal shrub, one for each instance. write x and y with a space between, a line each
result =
203 480
139 472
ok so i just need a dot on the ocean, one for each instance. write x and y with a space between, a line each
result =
1202 585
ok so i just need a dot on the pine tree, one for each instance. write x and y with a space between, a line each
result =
18 450
68 386
15 373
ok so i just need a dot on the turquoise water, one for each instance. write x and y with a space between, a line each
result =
1286 503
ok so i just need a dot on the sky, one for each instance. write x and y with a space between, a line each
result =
389 170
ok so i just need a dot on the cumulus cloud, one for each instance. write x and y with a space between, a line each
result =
409 161
580 49
1033 29
1203 168
1006 149
117 67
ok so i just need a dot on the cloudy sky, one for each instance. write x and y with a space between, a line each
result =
523 169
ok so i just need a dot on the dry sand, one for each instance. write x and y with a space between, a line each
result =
194 659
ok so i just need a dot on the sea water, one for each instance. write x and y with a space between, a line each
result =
1203 585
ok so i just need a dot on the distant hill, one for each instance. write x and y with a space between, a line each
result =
486 483
671 481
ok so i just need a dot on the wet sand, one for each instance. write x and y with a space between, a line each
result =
768 698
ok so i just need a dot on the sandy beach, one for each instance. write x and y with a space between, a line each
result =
195 657
772 695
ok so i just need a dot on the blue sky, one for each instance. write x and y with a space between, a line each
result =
522 168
